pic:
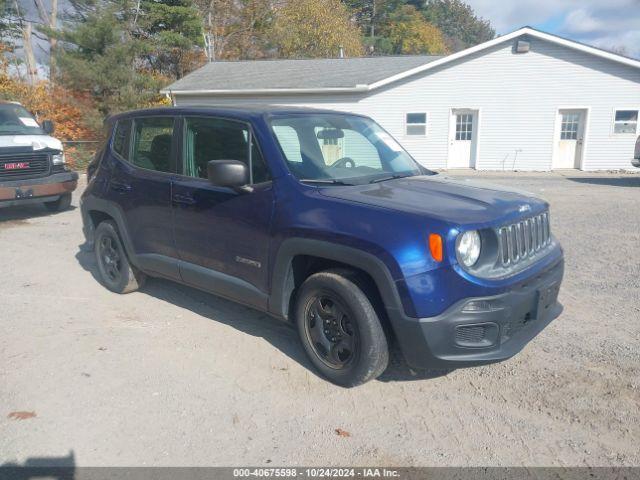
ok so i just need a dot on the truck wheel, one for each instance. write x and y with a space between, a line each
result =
59 205
116 273
339 329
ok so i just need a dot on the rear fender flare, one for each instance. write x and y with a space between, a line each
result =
92 204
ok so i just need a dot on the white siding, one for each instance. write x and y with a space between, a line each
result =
517 96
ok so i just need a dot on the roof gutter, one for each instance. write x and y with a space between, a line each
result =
269 91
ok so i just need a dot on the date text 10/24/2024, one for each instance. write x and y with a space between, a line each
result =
316 472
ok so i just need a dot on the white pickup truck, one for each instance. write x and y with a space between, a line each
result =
32 163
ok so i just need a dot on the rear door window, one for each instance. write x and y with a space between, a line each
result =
152 143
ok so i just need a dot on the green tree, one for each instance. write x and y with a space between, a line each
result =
309 28
456 20
459 23
408 33
99 57
368 13
9 28
171 30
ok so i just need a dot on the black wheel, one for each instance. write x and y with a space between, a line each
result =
116 273
339 328
59 205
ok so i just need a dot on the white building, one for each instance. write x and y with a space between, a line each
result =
524 101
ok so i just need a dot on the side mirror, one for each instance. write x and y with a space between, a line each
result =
48 127
229 173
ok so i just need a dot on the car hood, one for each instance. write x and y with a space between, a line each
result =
36 142
443 198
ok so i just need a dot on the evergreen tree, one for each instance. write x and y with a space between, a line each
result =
9 28
459 23
100 57
406 32
173 28
123 51
456 20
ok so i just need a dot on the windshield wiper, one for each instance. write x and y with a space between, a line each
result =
390 177
328 181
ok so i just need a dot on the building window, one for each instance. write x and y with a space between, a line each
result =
626 121
416 124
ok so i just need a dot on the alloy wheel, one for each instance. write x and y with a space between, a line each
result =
110 258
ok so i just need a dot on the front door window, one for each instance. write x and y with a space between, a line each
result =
464 126
219 139
570 126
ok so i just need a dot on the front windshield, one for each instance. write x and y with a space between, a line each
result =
332 148
16 120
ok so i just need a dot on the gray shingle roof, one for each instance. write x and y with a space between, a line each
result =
298 74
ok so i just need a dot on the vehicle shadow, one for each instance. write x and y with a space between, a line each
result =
19 214
625 181
281 335
56 468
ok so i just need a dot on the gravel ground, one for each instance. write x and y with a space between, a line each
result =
173 376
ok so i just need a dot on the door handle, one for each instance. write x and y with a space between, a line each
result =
120 186
184 199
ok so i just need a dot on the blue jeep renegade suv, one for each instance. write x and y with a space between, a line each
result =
322 219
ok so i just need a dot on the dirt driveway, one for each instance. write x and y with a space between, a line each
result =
172 376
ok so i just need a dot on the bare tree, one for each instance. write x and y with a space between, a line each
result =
231 28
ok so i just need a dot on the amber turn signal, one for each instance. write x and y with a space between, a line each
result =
435 246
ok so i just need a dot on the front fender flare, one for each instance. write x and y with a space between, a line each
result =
282 283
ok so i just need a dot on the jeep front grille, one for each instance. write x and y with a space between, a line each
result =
524 239
29 165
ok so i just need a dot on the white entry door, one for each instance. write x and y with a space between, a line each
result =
569 139
462 141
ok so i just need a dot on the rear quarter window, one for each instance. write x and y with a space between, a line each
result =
121 137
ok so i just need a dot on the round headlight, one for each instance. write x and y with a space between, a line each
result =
469 248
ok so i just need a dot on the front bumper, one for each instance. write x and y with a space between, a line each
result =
636 162
44 189
501 327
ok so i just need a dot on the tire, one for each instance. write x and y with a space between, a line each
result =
59 205
115 271
339 328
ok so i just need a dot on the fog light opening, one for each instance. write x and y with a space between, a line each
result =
479 306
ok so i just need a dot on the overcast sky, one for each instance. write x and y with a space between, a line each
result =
603 23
